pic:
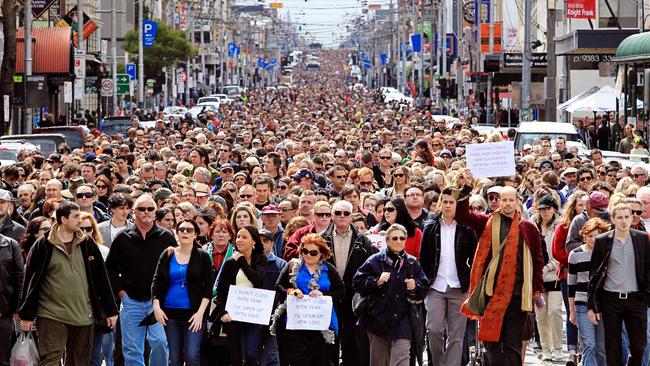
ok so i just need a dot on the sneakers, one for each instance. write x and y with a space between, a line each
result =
547 356
573 360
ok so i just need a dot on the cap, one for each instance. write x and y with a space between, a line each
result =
72 187
598 201
546 164
445 152
5 195
526 147
270 209
227 166
103 158
56 158
495 189
201 189
90 157
162 194
303 173
265 233
547 202
569 170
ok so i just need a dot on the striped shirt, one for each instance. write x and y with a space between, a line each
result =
578 278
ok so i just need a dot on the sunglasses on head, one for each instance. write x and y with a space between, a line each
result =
312 253
148 209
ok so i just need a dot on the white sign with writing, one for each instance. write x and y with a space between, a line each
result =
495 159
377 240
309 313
250 305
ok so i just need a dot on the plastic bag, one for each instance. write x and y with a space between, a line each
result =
24 352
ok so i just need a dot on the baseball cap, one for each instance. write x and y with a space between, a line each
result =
270 209
303 173
547 202
445 152
201 189
546 164
56 158
526 147
90 157
598 201
569 170
5 195
162 194
266 234
495 189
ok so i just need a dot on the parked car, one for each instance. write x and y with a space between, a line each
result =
177 112
9 151
199 109
528 132
223 98
47 143
112 126
232 90
74 135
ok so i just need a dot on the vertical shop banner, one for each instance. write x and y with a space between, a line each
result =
581 9
485 38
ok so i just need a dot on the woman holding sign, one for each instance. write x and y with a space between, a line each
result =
393 278
181 292
245 268
308 275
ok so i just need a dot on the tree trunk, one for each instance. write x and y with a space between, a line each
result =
8 68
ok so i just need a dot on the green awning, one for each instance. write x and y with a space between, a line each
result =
635 48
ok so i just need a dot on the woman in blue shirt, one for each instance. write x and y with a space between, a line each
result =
308 275
181 292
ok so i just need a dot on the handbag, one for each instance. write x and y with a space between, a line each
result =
595 286
478 300
361 304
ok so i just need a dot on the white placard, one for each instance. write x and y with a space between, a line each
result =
494 159
309 313
5 109
377 240
67 92
250 305
78 88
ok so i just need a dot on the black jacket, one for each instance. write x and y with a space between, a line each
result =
12 229
12 274
227 276
198 278
132 260
600 259
99 287
464 248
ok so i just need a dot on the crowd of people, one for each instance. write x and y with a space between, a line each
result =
123 252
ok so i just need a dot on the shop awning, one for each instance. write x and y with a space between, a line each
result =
635 48
51 50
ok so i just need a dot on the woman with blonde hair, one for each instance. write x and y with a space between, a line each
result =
401 178
622 184
241 216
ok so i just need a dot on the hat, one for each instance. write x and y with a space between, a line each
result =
569 170
546 164
495 189
5 195
90 157
201 189
103 158
445 152
265 233
227 166
526 147
179 144
270 209
303 173
54 158
598 201
547 202
72 187
162 194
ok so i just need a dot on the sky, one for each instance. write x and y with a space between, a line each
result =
324 20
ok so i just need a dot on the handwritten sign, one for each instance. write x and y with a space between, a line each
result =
250 305
495 159
309 313
377 240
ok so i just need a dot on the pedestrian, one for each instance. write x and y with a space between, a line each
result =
395 212
11 282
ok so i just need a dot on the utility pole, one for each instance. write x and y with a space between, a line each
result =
113 11
190 32
488 114
140 53
82 47
524 109
432 87
27 127
551 70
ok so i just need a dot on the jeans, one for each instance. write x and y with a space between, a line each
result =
184 344
133 336
270 355
592 338
244 342
103 345
571 330
646 352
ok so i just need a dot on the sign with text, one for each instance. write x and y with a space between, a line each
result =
515 60
495 159
581 9
150 29
250 305
309 313
377 240
485 38
588 62
39 7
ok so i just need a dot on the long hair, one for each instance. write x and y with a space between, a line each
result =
83 215
570 207
403 218
195 243
31 232
258 247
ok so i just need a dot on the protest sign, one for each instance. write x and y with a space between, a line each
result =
495 159
377 240
309 313
250 305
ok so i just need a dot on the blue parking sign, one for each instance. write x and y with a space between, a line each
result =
150 28
130 70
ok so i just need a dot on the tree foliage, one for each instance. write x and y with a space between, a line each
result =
170 47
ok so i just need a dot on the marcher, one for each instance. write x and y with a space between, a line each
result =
11 282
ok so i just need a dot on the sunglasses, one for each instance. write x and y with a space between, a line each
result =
478 208
366 183
582 179
322 214
340 177
493 197
88 229
389 209
398 175
185 229
638 175
342 213
397 238
81 195
637 212
148 209
385 157
283 187
101 186
312 253
246 195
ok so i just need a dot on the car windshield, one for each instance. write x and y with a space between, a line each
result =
529 138
114 127
6 154
231 90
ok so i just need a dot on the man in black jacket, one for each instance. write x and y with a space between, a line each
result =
446 256
619 286
67 288
131 264
11 280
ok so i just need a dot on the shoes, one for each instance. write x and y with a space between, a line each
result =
573 360
547 356
558 355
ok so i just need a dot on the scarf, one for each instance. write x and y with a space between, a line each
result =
296 265
489 243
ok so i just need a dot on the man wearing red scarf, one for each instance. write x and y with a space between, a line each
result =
513 282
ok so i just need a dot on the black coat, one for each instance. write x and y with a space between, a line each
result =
464 248
99 287
198 278
12 274
602 249
228 274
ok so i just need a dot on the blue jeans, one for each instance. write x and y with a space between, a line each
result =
571 330
646 353
270 355
244 342
592 338
133 336
103 345
184 345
